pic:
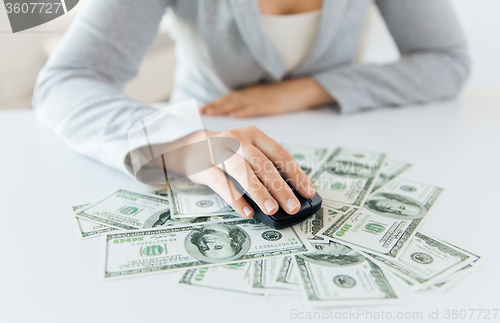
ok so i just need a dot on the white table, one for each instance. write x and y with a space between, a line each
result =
47 275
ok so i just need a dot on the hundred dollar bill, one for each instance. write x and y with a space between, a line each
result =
445 286
191 199
336 275
336 207
262 273
315 223
454 278
286 275
451 281
388 220
88 229
348 175
233 277
131 253
127 210
391 169
308 158
426 261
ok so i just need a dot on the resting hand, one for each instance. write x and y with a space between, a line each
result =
275 98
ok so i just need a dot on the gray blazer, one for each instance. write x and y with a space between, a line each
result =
220 47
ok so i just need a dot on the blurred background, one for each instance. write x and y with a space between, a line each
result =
23 54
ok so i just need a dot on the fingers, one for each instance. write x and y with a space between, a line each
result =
220 184
285 163
241 171
223 105
254 109
272 180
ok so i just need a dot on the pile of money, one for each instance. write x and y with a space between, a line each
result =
357 250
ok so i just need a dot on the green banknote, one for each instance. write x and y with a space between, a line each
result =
336 275
131 253
191 199
286 275
88 229
233 278
388 220
426 261
308 158
263 273
317 222
391 169
348 175
127 210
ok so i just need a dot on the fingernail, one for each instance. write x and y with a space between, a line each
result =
269 205
310 189
291 204
247 211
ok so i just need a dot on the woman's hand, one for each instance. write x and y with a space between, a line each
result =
275 98
253 165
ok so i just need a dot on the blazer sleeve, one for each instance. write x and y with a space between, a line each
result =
79 92
434 61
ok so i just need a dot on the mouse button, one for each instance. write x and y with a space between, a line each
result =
280 215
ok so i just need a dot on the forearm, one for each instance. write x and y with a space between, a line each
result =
414 78
309 93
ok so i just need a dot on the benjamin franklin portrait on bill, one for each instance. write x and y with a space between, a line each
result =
157 220
396 206
219 242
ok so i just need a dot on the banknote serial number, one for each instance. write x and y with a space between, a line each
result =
470 314
33 7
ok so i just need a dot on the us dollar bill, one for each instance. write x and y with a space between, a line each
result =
191 199
131 253
391 169
348 175
286 275
336 207
426 261
263 272
451 281
336 275
315 223
445 286
85 228
308 158
454 278
233 278
388 220
127 210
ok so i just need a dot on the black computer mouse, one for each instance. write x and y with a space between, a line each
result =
281 219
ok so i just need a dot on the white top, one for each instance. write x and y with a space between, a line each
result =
292 35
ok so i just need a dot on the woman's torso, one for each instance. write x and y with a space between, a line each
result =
221 46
